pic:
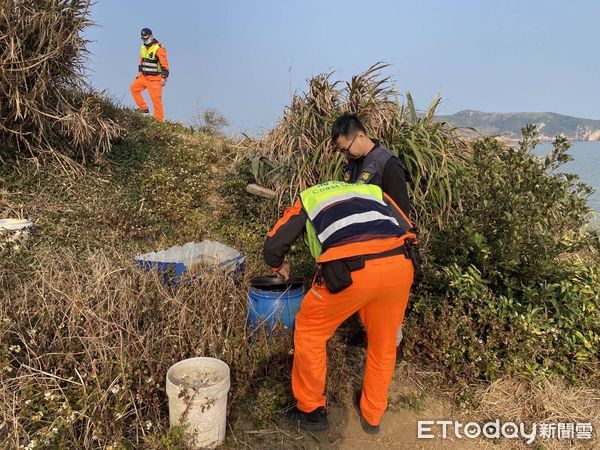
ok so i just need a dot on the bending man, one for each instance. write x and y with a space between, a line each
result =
356 233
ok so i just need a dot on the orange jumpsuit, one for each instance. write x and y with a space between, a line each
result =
153 84
379 293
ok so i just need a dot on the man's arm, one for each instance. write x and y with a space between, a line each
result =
161 54
283 235
394 184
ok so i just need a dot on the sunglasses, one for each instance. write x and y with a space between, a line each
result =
340 149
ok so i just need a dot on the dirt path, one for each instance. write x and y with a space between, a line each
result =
411 400
398 427
399 431
420 395
399 424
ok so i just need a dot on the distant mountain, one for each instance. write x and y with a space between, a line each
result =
509 124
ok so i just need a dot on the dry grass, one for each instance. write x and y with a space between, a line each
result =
418 394
85 337
46 109
298 152
87 340
519 399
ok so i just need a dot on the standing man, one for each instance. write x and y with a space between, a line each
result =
153 72
356 234
371 163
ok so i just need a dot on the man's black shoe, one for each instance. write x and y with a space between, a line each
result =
312 421
144 111
366 426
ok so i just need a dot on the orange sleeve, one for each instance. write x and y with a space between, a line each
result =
283 235
290 212
161 54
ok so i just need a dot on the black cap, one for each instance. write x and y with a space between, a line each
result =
146 32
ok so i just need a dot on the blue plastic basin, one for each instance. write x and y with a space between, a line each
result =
173 262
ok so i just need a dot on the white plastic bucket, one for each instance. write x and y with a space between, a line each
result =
197 389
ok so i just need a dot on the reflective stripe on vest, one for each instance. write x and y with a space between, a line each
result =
361 218
340 213
150 63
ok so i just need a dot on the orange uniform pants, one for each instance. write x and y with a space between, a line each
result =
379 293
153 84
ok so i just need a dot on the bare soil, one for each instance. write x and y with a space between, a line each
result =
412 400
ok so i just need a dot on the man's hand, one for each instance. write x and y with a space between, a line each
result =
163 81
284 272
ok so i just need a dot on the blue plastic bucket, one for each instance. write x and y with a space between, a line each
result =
274 303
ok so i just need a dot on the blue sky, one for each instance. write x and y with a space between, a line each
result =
244 57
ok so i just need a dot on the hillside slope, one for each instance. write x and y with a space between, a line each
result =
87 337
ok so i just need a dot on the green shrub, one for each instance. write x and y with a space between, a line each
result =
513 281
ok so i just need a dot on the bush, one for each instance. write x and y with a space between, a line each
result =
299 153
209 121
46 109
513 280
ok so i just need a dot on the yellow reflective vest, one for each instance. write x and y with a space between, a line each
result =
150 65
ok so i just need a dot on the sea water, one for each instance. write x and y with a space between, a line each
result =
586 164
